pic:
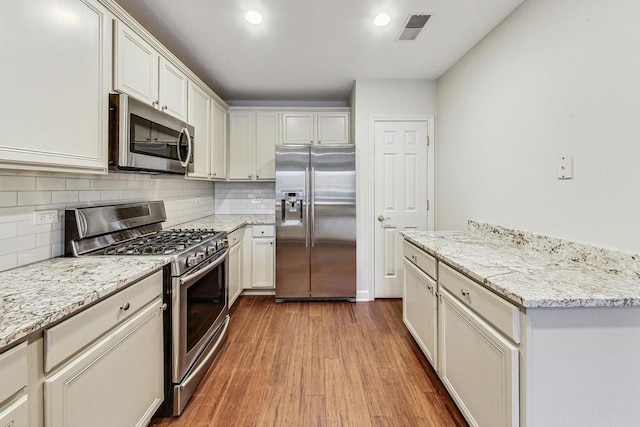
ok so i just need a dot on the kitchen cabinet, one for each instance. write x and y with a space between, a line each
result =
104 366
315 127
201 118
262 256
55 85
420 303
478 366
236 265
219 152
143 73
253 136
14 403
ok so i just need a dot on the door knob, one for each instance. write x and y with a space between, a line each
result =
382 218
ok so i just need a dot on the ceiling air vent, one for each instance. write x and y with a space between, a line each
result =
414 25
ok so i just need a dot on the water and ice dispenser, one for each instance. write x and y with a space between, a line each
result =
291 208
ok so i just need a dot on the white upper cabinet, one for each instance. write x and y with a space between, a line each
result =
253 136
241 131
219 152
143 73
55 84
172 91
315 127
200 118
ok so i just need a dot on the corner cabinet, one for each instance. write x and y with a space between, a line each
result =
253 136
315 127
104 366
143 73
55 86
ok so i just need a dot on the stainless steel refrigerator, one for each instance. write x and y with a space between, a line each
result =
315 222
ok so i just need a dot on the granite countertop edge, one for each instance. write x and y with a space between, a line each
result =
543 282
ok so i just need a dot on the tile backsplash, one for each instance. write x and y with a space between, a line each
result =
244 197
23 193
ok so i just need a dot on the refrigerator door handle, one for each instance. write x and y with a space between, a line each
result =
313 207
306 207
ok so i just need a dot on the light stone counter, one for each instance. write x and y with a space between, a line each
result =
228 223
35 296
537 271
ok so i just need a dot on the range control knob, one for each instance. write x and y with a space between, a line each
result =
201 256
192 260
211 249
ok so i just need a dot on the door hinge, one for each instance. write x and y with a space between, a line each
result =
427 204
427 139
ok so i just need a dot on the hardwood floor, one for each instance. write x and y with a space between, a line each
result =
319 364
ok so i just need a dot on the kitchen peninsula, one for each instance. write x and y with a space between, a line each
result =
527 329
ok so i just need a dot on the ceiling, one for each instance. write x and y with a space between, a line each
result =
313 50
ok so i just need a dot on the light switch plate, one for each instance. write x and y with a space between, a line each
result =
564 167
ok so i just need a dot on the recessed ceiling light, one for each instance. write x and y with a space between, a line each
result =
381 20
253 17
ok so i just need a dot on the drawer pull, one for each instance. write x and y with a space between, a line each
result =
464 292
125 307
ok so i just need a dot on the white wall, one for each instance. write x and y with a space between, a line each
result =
22 193
373 99
556 78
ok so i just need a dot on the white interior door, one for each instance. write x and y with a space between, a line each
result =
400 196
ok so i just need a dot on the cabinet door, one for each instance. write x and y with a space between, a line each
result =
266 140
235 273
477 365
332 128
219 151
262 263
136 68
172 90
420 309
117 381
200 118
298 128
55 82
241 145
16 414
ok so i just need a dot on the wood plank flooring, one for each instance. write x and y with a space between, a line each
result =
318 364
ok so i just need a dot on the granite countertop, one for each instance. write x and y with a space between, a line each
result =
228 223
537 271
37 295
34 296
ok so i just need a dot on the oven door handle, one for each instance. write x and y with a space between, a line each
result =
187 280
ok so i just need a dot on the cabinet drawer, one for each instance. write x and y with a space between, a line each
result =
16 414
263 231
418 257
235 237
13 371
498 311
70 336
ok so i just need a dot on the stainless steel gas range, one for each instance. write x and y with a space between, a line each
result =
196 288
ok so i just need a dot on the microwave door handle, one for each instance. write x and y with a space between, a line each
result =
184 163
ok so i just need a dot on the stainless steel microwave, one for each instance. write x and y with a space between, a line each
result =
142 138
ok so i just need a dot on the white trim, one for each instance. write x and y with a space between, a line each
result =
366 197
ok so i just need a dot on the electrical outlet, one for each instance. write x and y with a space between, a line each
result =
45 217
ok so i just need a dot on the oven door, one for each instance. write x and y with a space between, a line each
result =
199 304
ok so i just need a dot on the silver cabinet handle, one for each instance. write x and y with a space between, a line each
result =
464 292
125 307
155 103
164 107
250 176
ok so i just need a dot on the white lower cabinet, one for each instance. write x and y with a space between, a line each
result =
236 265
262 257
477 365
420 310
118 378
14 402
